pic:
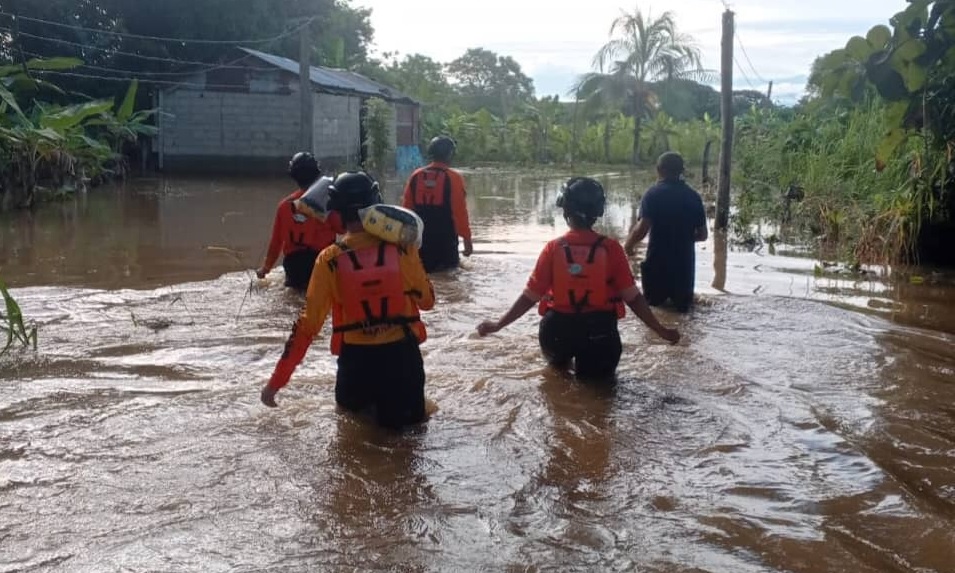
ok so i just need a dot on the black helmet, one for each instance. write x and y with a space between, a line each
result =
353 190
303 168
582 196
442 148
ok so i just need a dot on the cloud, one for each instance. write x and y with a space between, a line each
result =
556 80
555 41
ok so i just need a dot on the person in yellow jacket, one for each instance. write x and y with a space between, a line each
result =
374 291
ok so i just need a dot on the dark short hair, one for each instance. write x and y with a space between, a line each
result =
670 164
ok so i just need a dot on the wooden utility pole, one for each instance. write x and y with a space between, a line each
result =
726 110
769 92
574 143
305 86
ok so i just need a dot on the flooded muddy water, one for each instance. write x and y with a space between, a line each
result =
806 423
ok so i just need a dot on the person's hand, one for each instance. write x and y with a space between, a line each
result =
468 248
268 397
488 327
671 335
631 250
261 273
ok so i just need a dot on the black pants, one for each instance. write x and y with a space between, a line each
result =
388 378
661 284
298 267
590 339
440 255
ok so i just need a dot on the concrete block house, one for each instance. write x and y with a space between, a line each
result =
245 117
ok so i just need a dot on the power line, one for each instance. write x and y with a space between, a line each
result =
161 38
740 42
210 68
743 72
129 79
127 54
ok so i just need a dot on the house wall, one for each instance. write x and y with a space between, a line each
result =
336 134
211 130
206 123
254 125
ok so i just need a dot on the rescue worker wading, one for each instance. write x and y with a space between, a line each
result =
437 194
581 282
296 236
374 290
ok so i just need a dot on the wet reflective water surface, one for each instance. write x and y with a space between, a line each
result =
806 423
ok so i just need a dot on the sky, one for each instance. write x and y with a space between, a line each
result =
555 40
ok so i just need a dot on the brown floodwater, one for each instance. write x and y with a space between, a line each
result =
806 423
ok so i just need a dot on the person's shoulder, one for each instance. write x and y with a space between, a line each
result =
552 245
455 174
690 192
330 253
655 191
407 251
685 185
290 197
613 246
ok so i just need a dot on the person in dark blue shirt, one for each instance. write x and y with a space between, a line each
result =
672 214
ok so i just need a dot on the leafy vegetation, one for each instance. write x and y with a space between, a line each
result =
870 152
377 128
59 148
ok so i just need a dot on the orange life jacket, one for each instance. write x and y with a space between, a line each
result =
431 188
304 232
370 286
581 280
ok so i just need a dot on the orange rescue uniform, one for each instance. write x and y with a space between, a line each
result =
582 271
437 194
374 291
293 231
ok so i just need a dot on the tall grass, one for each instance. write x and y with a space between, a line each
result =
12 324
816 175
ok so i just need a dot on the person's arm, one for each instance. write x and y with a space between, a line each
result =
638 304
459 211
621 277
417 284
700 233
520 307
638 234
318 302
407 199
538 285
275 244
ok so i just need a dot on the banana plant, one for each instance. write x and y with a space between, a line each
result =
125 125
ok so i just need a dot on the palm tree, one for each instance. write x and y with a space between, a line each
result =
542 118
603 94
644 50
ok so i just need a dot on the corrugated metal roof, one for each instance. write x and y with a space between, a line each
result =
333 79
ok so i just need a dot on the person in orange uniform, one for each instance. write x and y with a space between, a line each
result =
296 236
374 291
581 282
437 194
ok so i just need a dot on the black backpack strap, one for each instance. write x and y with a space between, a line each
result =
593 249
567 253
447 189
